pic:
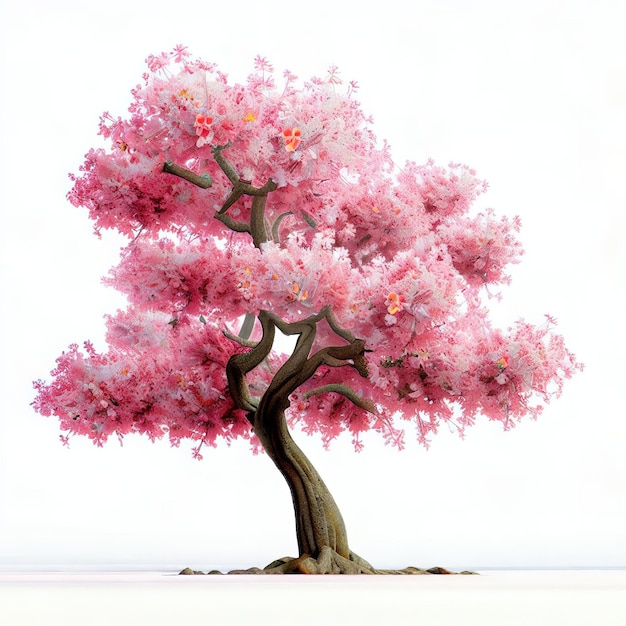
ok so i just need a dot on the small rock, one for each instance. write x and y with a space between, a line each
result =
279 562
438 570
190 572
251 570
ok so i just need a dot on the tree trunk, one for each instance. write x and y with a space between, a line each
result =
319 522
322 540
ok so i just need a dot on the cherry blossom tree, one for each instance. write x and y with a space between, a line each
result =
257 207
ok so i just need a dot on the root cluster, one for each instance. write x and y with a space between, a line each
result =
327 562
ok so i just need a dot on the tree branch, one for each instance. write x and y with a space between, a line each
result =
238 227
246 343
257 228
344 333
345 391
225 165
240 364
247 326
301 365
200 180
235 194
244 186
336 356
277 223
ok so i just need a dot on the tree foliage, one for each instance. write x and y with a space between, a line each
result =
274 198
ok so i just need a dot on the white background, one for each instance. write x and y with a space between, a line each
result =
531 94
514 598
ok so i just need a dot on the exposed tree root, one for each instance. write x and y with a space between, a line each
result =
328 562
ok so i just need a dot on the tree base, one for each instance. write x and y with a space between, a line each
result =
328 562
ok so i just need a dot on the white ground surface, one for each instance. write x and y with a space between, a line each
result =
507 598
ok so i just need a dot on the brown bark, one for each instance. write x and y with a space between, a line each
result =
318 520
200 180
319 524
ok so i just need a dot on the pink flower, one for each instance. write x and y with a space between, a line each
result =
297 293
550 319
180 53
394 303
333 75
290 76
156 63
203 129
261 64
292 138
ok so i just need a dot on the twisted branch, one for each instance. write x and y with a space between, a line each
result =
301 365
257 228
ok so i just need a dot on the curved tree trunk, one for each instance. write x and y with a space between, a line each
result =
318 520
321 533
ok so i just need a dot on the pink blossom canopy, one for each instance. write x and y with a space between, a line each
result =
400 256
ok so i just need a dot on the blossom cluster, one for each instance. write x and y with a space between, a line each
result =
176 276
401 256
482 246
299 138
157 379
